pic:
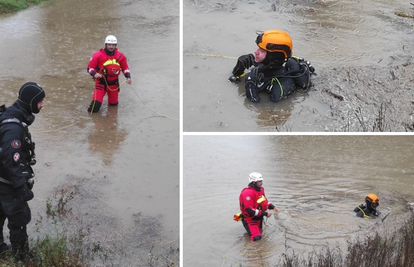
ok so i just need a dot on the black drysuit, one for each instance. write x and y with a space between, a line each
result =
279 78
16 157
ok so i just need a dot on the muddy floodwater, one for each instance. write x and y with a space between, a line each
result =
316 181
354 46
121 165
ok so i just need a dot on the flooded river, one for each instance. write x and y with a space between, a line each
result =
122 163
331 34
316 181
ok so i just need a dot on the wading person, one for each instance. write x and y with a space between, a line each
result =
16 174
369 209
274 69
105 66
254 206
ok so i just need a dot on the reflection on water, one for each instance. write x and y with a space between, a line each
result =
271 115
106 138
268 113
316 181
257 253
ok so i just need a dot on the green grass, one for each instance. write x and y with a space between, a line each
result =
10 6
57 248
64 239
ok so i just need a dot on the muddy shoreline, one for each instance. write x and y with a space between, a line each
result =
364 99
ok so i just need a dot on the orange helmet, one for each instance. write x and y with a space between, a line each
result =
275 41
373 200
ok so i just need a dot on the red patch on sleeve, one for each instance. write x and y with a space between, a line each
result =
16 144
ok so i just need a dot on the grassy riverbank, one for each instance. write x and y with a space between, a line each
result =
65 239
382 250
9 6
63 246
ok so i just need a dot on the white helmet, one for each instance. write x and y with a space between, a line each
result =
110 39
255 176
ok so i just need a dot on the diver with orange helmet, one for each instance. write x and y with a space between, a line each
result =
254 206
274 68
369 209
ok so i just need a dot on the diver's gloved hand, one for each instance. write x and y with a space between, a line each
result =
247 60
243 62
234 79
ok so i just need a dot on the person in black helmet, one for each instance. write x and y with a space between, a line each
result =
369 209
16 174
274 70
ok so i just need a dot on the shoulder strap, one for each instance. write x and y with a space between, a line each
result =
17 121
11 120
119 56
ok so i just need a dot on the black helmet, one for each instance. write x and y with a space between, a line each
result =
30 94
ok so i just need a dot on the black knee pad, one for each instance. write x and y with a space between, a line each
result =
94 106
116 104
256 238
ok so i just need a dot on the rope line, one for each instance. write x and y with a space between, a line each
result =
161 115
107 86
57 129
73 124
207 55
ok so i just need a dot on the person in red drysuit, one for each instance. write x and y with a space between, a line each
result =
254 206
105 66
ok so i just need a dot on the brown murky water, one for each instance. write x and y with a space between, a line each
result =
330 34
316 181
123 162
